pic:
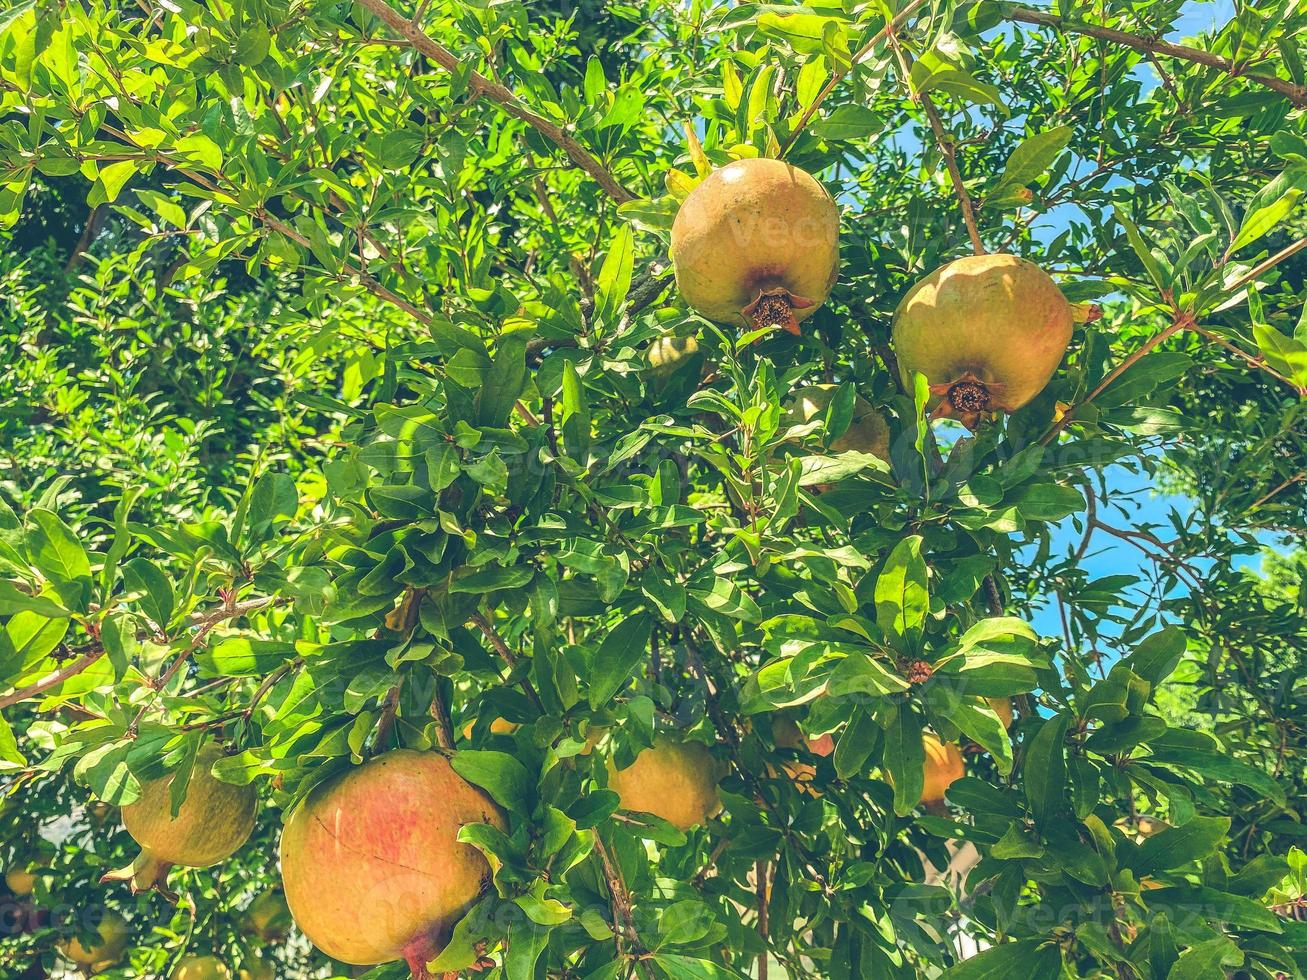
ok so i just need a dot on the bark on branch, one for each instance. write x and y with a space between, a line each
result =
1297 94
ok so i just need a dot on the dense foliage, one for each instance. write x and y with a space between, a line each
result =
337 418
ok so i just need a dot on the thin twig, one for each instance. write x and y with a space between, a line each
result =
623 917
444 725
505 654
945 144
484 87
1297 94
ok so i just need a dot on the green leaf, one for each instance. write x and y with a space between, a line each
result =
1157 655
499 774
1178 846
1043 770
689 968
622 649
10 756
55 550
614 280
1272 204
1207 960
901 597
905 757
1031 159
1282 352
848 122
1025 960
243 656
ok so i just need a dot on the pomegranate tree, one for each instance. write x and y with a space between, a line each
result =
757 244
371 862
987 331
674 780
213 822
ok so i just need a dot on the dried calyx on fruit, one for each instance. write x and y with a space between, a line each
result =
213 822
371 862
987 331
757 243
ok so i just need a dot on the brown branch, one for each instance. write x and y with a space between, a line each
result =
505 654
1297 94
1266 265
204 625
444 725
945 144
54 679
386 723
1296 478
1254 361
838 76
623 917
484 87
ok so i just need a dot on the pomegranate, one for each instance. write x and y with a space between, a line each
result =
371 864
944 765
268 917
213 822
757 244
201 968
20 881
987 331
1003 708
674 780
113 931
668 353
258 970
500 726
787 735
867 431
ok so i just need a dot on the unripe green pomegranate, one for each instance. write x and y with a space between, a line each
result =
212 824
987 331
371 863
867 431
674 780
268 917
258 970
113 931
757 244
667 354
201 968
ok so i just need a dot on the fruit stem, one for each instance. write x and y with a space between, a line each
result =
146 873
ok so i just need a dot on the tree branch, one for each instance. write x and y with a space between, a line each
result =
945 144
1297 94
505 654
486 88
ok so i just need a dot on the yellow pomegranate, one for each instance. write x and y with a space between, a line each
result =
371 863
201 968
212 824
757 244
1003 708
787 735
867 431
500 726
668 353
944 766
987 331
674 780
112 931
20 881
258 970
268 917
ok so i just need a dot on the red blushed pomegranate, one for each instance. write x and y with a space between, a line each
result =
372 867
212 824
757 244
987 331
